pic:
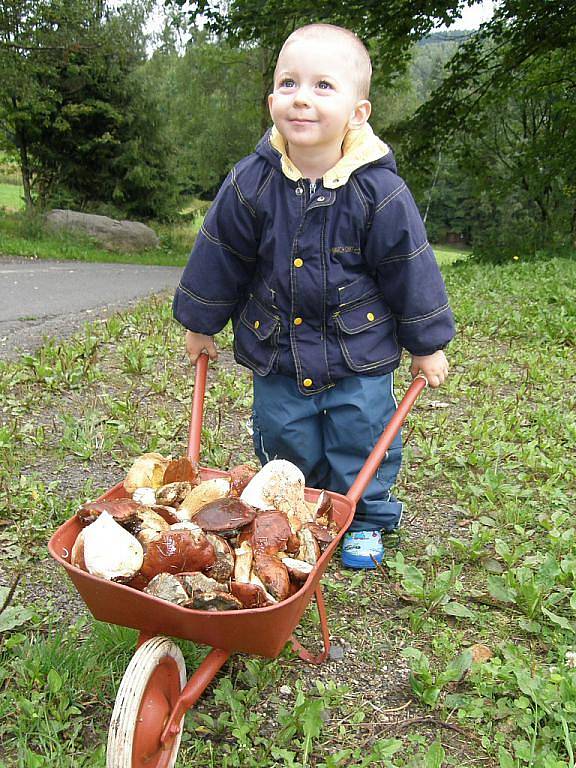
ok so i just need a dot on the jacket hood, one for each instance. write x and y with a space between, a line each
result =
360 147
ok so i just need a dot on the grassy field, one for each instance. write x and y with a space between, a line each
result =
460 652
11 197
21 235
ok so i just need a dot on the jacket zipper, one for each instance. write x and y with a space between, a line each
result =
312 188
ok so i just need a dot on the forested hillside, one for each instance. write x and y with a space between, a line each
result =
99 117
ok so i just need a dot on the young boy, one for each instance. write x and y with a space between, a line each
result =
315 248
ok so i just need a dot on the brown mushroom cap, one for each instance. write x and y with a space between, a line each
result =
250 595
273 574
223 567
122 510
214 601
269 532
225 514
240 476
181 470
177 551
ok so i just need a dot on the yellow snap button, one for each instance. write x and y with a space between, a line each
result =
297 321
257 324
298 262
307 382
370 316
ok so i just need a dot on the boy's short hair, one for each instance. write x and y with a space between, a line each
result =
359 54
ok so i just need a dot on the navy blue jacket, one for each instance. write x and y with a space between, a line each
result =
320 283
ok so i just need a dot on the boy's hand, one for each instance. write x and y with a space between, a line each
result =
434 367
196 343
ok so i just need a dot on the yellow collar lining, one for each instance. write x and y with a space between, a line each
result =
360 146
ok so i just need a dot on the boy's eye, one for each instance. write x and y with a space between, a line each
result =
324 85
287 82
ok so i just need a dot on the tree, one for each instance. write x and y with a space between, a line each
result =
211 107
86 129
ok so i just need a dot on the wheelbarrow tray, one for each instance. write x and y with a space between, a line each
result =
259 631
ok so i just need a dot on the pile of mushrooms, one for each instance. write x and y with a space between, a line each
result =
246 540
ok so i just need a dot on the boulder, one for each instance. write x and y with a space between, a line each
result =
111 234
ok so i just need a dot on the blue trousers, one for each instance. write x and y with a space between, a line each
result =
329 436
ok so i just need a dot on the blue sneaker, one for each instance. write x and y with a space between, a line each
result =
358 546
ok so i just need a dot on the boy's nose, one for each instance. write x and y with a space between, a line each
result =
302 96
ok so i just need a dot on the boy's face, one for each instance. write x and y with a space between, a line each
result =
315 99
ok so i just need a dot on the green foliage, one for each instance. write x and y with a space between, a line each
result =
211 107
75 112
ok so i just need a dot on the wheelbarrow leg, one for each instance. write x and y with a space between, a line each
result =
299 648
192 691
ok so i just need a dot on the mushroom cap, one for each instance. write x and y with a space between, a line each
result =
278 485
110 551
226 514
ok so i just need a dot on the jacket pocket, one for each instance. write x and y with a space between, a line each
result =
367 335
256 335
364 287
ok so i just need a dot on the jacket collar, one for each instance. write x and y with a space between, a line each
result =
360 146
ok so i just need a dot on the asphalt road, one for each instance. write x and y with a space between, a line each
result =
55 298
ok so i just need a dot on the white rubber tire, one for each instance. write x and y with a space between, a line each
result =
129 698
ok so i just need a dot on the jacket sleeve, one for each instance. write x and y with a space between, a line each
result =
398 252
221 264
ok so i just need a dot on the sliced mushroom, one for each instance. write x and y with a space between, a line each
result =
323 535
146 518
181 470
167 587
209 490
324 510
309 550
299 570
243 562
223 568
146 471
173 494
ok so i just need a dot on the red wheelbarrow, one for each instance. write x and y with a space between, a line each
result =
154 695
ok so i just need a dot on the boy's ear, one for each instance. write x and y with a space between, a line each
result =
270 100
360 114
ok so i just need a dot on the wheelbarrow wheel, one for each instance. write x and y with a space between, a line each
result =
147 695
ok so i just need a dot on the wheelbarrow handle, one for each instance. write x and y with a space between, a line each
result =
197 414
372 462
386 438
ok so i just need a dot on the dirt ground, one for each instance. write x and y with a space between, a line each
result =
366 636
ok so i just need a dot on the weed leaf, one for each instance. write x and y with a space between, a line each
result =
505 759
458 610
435 755
14 616
499 591
560 620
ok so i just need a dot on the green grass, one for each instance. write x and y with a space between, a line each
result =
448 254
22 235
11 197
487 555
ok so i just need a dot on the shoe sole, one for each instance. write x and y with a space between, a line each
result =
360 563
